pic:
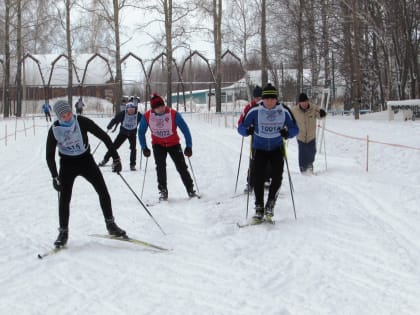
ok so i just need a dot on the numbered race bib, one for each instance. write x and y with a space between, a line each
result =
130 121
161 125
270 121
69 139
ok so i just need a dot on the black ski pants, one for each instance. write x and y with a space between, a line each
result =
87 168
119 140
275 159
175 152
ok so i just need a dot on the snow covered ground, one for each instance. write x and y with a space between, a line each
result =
354 248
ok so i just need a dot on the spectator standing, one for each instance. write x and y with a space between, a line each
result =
306 116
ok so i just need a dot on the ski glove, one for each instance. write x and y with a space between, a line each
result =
284 133
116 166
322 113
250 130
56 184
188 152
146 152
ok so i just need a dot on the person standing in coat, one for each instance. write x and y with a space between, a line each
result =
69 134
269 123
129 119
306 115
163 123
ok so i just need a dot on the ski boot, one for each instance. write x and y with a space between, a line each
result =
62 238
269 210
191 192
163 195
113 228
259 215
132 167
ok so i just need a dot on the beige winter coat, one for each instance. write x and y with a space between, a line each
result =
306 121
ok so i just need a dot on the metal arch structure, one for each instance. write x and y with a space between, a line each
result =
40 73
192 54
229 52
195 52
130 54
90 60
156 59
53 66
86 67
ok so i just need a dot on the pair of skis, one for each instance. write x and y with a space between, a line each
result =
256 222
111 237
151 204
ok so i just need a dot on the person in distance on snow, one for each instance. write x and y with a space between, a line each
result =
270 122
129 119
79 106
46 108
256 93
306 115
163 123
69 134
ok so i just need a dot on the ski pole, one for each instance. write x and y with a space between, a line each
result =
195 181
288 173
247 198
325 154
141 202
144 178
141 160
96 148
239 165
290 184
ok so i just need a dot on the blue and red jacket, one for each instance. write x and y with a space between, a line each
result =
163 128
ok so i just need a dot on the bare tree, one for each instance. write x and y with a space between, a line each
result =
19 59
6 76
172 16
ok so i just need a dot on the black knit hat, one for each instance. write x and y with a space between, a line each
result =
257 91
303 97
269 91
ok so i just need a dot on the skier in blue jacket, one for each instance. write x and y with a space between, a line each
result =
270 123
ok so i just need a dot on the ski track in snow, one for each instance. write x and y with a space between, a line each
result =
352 250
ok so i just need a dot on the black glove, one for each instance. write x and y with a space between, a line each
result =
146 152
56 184
284 133
188 152
322 113
250 130
116 166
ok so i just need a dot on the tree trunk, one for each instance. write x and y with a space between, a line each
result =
19 60
356 56
6 82
300 44
169 52
118 75
264 53
69 55
217 20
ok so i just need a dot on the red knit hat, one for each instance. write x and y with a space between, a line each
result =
156 101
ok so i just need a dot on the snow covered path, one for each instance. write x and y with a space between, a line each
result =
353 249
